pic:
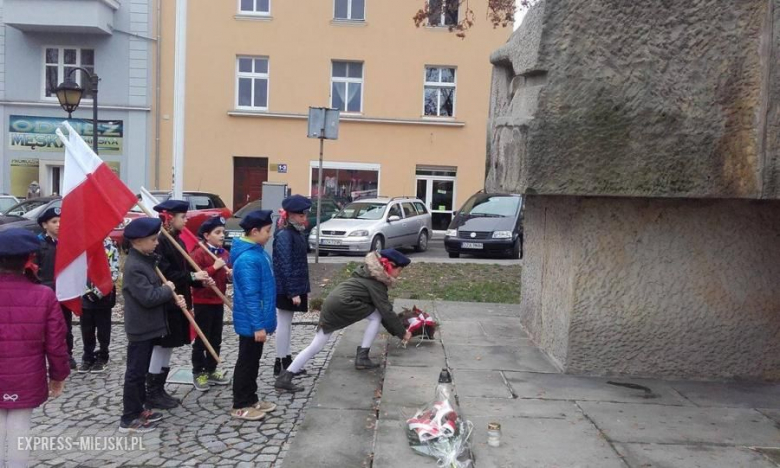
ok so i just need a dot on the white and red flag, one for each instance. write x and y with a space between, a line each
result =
94 201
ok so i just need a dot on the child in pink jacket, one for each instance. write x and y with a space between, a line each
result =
32 333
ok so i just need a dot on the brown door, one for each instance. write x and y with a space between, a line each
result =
248 177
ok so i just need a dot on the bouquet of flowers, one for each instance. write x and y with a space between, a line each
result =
418 323
439 430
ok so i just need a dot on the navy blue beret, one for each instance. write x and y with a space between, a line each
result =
396 257
142 227
296 204
173 206
50 213
18 241
211 224
255 219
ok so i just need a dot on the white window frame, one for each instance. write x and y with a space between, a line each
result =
439 84
254 12
347 80
253 75
314 164
349 12
61 68
443 17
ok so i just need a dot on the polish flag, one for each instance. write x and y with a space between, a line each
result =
94 201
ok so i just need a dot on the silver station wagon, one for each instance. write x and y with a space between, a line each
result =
375 224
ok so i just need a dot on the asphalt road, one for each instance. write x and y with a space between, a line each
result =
434 254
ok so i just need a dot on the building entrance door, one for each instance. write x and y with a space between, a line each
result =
436 187
248 177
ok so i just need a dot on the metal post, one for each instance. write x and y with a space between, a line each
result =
319 199
179 87
94 80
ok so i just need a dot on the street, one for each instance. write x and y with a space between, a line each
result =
434 254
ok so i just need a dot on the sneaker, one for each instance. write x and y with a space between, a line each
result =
249 414
265 406
150 416
138 425
217 378
85 367
201 382
97 368
73 365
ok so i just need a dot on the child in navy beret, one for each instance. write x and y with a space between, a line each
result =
364 296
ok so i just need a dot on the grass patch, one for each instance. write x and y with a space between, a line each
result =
446 282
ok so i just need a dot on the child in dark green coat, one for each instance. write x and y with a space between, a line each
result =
363 296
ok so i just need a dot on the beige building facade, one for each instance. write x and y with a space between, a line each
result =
414 101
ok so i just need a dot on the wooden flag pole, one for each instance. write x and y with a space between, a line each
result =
189 259
193 323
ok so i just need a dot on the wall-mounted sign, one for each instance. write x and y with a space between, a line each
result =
282 168
30 133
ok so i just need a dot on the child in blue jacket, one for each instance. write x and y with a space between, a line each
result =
254 311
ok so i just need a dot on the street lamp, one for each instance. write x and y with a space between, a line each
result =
69 93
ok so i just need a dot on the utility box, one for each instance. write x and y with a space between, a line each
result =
273 195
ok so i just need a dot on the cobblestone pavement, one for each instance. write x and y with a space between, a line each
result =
200 432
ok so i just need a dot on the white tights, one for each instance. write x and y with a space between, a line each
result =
321 339
284 320
14 424
161 357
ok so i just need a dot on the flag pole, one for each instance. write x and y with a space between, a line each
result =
192 321
189 259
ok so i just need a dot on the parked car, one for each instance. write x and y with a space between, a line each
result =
375 224
25 214
6 202
233 230
203 205
487 224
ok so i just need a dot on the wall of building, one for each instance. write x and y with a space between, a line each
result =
123 61
300 40
671 288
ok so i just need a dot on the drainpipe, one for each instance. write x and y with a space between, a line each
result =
158 97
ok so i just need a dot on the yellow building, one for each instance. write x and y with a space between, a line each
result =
414 101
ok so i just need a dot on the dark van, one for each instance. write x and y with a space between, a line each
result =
487 224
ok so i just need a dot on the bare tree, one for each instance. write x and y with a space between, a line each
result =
459 17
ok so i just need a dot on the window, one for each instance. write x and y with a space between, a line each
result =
200 202
354 10
345 182
254 7
439 99
420 208
409 210
443 12
252 83
346 90
59 61
395 210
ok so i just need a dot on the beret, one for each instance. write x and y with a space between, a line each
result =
18 241
142 227
255 219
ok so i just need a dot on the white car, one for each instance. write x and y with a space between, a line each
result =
374 224
7 201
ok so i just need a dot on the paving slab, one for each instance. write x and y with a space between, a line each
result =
352 447
352 337
505 332
730 394
344 387
469 311
481 384
691 456
429 353
507 358
406 389
544 442
642 423
498 409
392 449
571 387
773 414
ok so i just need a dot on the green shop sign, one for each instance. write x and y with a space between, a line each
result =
28 133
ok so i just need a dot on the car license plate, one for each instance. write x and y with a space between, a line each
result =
471 245
234 234
330 242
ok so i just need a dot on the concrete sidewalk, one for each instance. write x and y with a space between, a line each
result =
548 419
